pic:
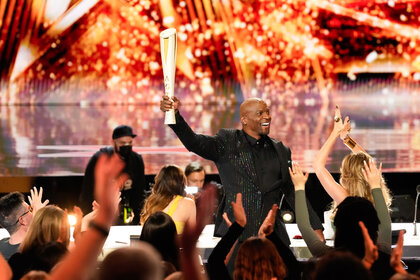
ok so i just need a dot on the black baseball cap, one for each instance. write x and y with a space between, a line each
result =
121 131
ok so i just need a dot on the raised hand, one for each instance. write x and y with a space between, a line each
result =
267 226
371 250
192 231
35 199
238 212
108 179
372 174
298 177
341 127
77 212
167 103
395 260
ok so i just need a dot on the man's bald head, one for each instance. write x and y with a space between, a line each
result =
248 104
255 117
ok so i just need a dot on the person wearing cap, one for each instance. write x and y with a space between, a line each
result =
132 191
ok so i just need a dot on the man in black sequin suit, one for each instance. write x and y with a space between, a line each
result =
249 162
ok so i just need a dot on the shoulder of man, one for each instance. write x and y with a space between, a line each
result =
228 132
4 241
279 144
137 156
105 150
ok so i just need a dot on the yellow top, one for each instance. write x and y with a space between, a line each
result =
179 225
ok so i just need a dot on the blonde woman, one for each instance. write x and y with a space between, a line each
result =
353 181
168 195
45 242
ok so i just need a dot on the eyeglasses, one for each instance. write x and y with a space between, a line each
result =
29 210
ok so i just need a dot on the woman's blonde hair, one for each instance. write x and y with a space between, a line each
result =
49 224
353 181
169 182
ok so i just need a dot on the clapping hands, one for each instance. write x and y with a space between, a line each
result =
238 212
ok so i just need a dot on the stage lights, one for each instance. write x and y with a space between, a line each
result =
287 216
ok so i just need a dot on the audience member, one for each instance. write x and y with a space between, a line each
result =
276 260
258 258
132 190
353 181
159 230
16 216
350 211
45 242
168 195
189 259
81 262
138 262
195 174
36 275
340 265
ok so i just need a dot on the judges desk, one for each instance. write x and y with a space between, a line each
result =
121 236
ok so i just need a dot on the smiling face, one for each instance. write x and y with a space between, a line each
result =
255 117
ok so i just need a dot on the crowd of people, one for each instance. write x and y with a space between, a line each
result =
256 173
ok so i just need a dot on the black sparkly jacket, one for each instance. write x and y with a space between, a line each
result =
231 153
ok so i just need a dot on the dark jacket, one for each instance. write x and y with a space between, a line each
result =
134 167
233 157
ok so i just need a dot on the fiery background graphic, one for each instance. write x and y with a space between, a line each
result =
72 70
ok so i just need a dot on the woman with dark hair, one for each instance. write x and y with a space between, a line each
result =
258 258
262 257
340 265
159 230
168 195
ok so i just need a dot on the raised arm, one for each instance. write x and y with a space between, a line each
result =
5 270
315 245
208 147
190 265
81 262
373 176
216 263
335 190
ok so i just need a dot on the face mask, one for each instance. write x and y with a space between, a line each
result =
125 151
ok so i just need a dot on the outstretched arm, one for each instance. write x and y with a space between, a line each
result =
81 262
315 245
373 176
371 250
396 255
216 263
208 147
335 190
188 241
5 270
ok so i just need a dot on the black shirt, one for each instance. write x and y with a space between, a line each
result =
266 161
132 195
7 249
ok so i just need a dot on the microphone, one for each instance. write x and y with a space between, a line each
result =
415 210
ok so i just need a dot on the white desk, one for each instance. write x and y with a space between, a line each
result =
119 236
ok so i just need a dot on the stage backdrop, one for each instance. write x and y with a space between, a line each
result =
72 70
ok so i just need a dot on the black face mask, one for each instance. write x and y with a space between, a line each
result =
125 151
